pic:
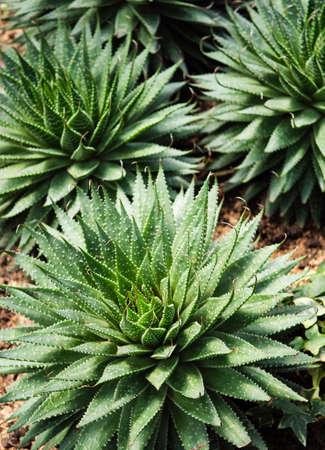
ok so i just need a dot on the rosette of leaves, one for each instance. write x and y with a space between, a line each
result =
169 27
82 112
270 124
146 332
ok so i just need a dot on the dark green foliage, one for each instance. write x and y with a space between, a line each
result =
294 416
147 331
270 124
313 295
169 27
312 341
81 112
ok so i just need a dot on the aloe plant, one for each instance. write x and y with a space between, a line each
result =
81 112
146 332
270 123
168 27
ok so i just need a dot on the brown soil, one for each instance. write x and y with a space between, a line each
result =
6 36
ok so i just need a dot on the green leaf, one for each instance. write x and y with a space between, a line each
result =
187 335
146 407
274 324
242 352
315 340
81 170
98 433
30 170
201 408
61 403
306 117
230 382
253 261
283 136
247 84
124 367
295 418
86 369
132 330
319 134
205 348
162 372
153 336
61 185
269 347
27 201
83 152
136 150
109 171
11 334
112 396
294 155
125 21
284 104
192 433
163 352
231 428
212 308
270 384
187 380
132 350
26 387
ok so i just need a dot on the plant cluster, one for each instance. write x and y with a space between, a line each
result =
148 331
142 339
270 123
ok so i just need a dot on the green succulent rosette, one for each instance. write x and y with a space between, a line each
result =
147 333
81 112
269 124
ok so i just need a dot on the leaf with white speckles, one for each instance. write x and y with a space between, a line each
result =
192 433
201 408
146 407
187 380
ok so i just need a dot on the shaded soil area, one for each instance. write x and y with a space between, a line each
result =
7 37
